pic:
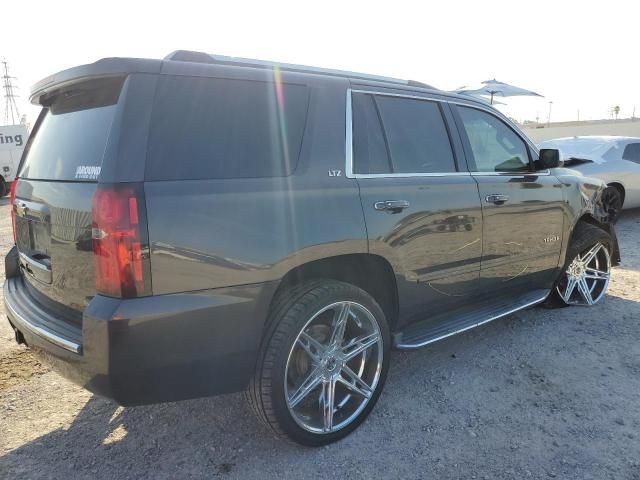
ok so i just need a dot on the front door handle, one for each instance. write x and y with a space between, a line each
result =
497 198
391 206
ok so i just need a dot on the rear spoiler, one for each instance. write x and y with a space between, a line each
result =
105 67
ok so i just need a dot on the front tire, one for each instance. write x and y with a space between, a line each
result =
585 277
323 362
612 203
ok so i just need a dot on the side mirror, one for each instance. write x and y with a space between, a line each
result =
549 158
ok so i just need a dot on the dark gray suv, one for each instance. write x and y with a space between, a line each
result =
203 224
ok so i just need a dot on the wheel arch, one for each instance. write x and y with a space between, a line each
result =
620 187
590 219
372 273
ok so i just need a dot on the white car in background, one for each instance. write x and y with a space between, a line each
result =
12 142
615 160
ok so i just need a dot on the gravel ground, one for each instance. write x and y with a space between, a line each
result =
540 394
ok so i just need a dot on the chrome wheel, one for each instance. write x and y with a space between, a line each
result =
333 367
586 278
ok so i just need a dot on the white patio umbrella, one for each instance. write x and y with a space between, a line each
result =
491 88
493 101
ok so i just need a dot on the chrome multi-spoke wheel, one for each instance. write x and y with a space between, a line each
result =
323 362
586 278
333 367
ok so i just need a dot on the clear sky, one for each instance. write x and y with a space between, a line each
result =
581 55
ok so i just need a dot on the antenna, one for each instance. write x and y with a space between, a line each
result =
10 106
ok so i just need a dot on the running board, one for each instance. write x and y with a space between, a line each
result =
439 327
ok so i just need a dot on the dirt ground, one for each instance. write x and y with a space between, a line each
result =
540 394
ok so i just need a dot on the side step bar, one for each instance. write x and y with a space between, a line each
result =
442 326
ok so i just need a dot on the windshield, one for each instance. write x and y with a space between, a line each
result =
585 148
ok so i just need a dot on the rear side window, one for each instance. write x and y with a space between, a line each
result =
632 152
369 148
399 135
70 138
204 128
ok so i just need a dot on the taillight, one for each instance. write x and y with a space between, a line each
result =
14 185
120 244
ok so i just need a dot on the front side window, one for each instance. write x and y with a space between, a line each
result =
399 135
494 146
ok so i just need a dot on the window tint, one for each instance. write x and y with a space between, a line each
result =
632 152
205 128
369 150
495 147
71 136
416 135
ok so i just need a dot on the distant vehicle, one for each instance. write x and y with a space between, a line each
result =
615 160
12 141
203 225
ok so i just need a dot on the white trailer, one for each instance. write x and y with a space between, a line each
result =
13 138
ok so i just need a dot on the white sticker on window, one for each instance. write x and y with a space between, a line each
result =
87 172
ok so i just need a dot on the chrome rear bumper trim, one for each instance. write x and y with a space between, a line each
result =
24 325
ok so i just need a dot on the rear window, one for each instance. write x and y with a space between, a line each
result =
70 139
204 128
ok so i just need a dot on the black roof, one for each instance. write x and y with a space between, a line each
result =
201 61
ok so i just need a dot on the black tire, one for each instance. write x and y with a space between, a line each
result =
3 187
583 238
289 314
612 200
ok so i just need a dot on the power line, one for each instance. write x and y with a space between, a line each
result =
11 112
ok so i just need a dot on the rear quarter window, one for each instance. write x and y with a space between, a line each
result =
206 128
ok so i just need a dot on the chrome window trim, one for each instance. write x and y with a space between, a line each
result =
349 140
511 174
408 175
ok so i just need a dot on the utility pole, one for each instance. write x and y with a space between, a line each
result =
11 113
549 116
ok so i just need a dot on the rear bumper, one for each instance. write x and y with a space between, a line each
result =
152 349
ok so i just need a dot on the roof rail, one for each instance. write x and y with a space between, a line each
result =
201 57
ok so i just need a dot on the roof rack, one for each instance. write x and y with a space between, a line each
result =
201 57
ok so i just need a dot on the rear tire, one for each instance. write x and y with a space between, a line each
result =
3 187
585 275
322 364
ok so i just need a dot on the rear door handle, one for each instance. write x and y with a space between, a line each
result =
497 198
391 206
